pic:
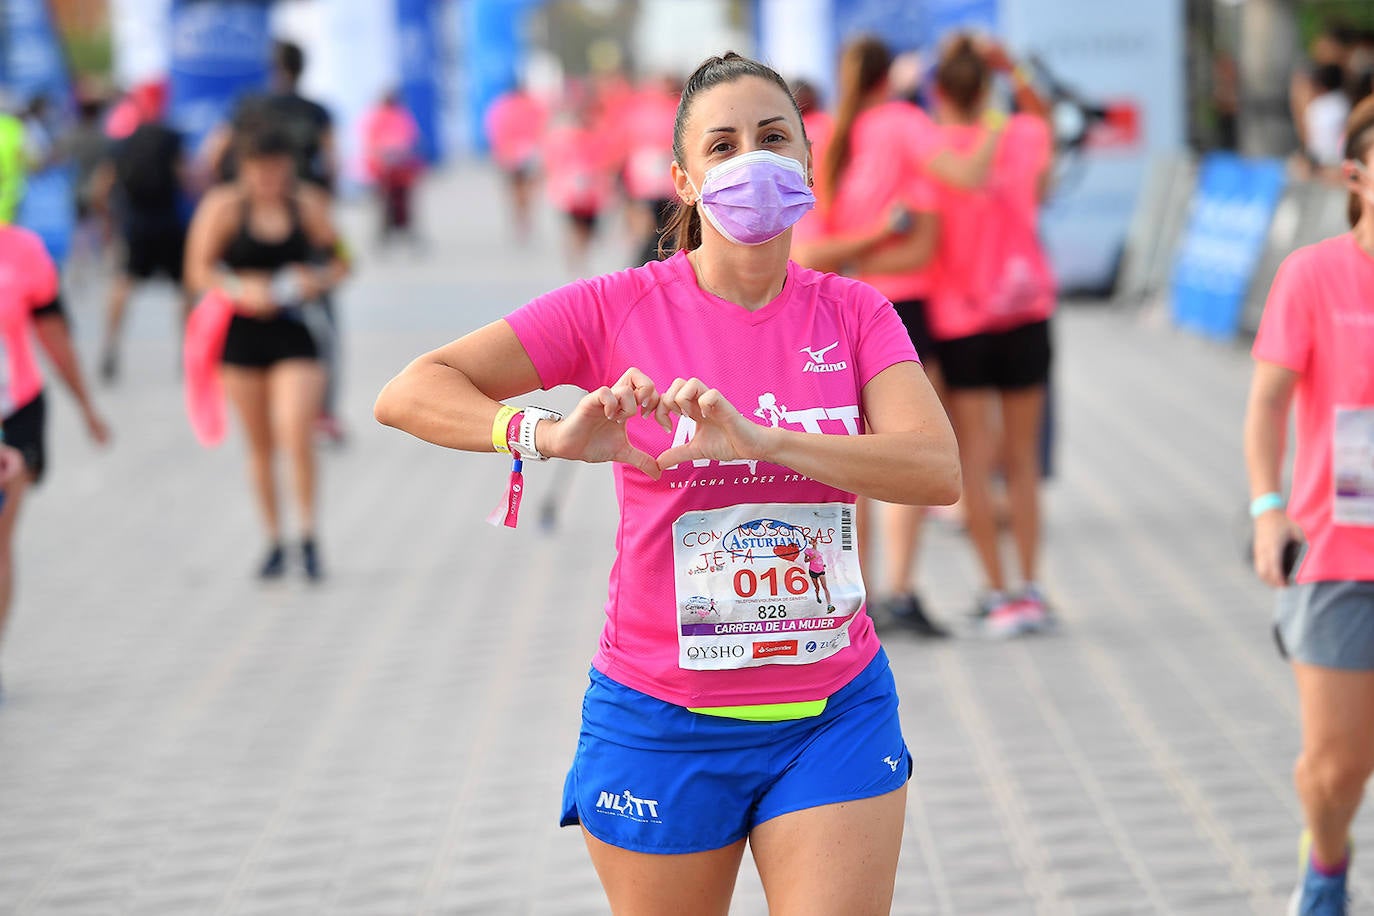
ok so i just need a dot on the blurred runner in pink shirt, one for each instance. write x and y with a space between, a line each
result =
391 151
991 297
580 163
648 158
30 307
515 124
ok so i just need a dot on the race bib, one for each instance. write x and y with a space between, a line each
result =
1352 466
748 593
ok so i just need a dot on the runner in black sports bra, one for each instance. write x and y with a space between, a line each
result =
263 342
253 240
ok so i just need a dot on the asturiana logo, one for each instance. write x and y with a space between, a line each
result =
625 804
817 361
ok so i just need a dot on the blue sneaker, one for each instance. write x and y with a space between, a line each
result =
1318 894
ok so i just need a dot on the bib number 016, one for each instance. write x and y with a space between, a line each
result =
747 582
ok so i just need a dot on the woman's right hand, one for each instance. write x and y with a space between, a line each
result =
1273 530
595 429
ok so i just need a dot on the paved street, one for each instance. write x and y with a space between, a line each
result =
176 739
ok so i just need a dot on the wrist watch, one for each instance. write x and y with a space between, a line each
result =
531 418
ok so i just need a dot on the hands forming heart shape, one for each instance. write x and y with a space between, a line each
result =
594 431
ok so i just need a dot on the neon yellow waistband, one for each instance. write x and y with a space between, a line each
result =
766 712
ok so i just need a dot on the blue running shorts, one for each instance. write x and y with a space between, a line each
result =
653 777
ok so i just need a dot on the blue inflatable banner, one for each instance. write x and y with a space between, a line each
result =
221 49
493 47
1227 226
947 15
901 24
417 31
33 65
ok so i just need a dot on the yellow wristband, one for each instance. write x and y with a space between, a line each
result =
994 118
499 427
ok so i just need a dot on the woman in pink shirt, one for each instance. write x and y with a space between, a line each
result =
580 162
815 567
744 401
991 298
30 307
1315 353
515 125
391 152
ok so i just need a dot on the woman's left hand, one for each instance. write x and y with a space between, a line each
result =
312 283
722 432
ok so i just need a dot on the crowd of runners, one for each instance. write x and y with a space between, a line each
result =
835 315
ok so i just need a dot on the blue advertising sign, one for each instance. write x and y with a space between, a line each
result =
901 24
493 46
48 208
1229 220
947 15
417 31
221 49
33 65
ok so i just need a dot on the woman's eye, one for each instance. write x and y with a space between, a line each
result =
775 138
720 147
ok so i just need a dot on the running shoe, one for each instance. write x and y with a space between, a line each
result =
1035 615
906 612
329 429
310 557
1318 894
1004 619
274 564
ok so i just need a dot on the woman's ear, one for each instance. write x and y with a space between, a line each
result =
683 185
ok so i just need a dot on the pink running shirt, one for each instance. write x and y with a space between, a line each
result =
515 129
657 318
887 146
979 229
649 146
1319 322
814 561
580 164
28 281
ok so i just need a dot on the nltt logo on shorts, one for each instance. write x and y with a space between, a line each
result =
643 810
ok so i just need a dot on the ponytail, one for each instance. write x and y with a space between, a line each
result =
963 74
863 67
1359 139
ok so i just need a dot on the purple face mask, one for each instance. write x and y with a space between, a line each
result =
756 197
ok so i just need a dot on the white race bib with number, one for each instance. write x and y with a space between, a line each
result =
746 592
1352 467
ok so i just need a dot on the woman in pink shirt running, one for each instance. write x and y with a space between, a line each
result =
30 308
744 401
1315 354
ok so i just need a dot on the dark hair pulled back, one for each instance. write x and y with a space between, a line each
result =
963 74
864 66
1359 139
684 224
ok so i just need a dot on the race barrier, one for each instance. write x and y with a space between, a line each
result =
1208 236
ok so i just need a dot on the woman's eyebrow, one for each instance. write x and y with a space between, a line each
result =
730 130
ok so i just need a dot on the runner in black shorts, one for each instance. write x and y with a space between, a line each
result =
990 309
29 308
256 240
148 180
